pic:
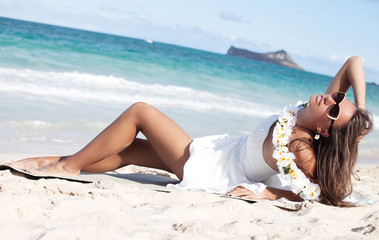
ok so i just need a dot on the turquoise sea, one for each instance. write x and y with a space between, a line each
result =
59 87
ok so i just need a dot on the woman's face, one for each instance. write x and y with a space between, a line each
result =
319 105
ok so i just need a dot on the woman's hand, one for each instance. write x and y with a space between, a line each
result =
269 193
245 193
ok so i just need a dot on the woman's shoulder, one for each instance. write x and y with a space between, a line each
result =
301 145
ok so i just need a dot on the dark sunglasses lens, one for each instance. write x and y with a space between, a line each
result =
334 111
338 96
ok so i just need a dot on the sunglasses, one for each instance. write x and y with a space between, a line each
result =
333 111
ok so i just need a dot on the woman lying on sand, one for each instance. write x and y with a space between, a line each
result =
313 146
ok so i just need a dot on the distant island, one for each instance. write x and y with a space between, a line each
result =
279 58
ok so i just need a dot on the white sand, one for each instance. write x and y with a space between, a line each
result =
59 209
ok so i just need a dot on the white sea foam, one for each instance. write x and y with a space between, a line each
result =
75 86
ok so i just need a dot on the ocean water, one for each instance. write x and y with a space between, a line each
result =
60 87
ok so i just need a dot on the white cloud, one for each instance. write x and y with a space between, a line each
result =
232 16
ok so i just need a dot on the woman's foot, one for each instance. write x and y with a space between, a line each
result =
29 164
59 168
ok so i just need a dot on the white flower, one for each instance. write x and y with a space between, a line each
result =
311 192
281 135
285 149
282 140
287 118
285 159
291 109
298 181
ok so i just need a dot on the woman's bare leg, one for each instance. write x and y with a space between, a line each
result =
140 152
167 145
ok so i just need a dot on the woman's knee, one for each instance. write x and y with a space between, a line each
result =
138 110
142 107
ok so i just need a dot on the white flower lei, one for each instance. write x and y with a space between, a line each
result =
299 183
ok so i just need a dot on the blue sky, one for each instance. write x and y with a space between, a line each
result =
319 35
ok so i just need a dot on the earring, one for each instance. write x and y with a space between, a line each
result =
317 135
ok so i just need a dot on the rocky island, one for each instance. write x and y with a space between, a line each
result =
279 58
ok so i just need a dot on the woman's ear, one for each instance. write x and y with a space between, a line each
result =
323 132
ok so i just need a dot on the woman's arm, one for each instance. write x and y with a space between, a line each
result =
269 193
351 74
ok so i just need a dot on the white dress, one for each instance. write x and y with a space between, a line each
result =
218 164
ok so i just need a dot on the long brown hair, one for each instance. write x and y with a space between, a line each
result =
336 157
